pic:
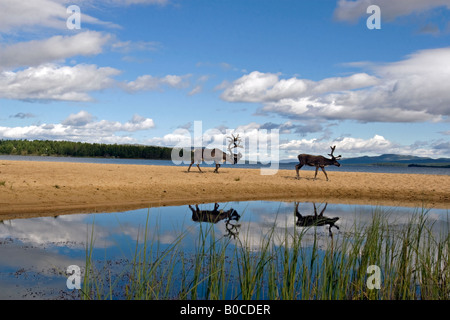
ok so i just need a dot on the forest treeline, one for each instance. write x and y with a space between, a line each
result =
82 149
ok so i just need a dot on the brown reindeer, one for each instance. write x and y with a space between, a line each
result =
218 155
315 220
214 216
317 161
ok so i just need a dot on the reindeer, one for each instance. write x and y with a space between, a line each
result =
317 161
218 155
214 216
315 220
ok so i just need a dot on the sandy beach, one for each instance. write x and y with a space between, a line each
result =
30 188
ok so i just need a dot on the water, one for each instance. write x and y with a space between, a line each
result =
35 252
283 166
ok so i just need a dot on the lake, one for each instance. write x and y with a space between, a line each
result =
284 166
36 252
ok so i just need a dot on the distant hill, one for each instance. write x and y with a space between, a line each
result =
392 160
396 159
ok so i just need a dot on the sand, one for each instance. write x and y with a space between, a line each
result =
35 188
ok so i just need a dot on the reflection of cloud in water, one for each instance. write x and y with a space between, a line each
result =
69 230
33 272
258 220
278 220
39 259
39 231
46 244
281 231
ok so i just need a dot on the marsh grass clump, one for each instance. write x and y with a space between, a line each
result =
296 263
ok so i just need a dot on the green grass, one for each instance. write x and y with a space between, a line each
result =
414 264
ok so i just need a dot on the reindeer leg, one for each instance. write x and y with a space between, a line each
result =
194 211
331 226
217 168
296 208
189 169
297 169
297 213
323 169
315 176
323 210
298 216
198 166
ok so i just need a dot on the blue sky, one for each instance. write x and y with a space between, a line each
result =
143 71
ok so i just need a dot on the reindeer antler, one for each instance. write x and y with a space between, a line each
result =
332 151
235 140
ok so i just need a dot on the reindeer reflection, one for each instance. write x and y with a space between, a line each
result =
216 215
315 220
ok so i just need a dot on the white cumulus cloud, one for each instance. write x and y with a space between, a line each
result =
29 15
411 90
36 52
81 127
148 82
53 82
353 147
353 10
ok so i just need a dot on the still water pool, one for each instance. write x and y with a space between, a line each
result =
36 252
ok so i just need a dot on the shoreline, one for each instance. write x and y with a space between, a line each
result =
29 189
